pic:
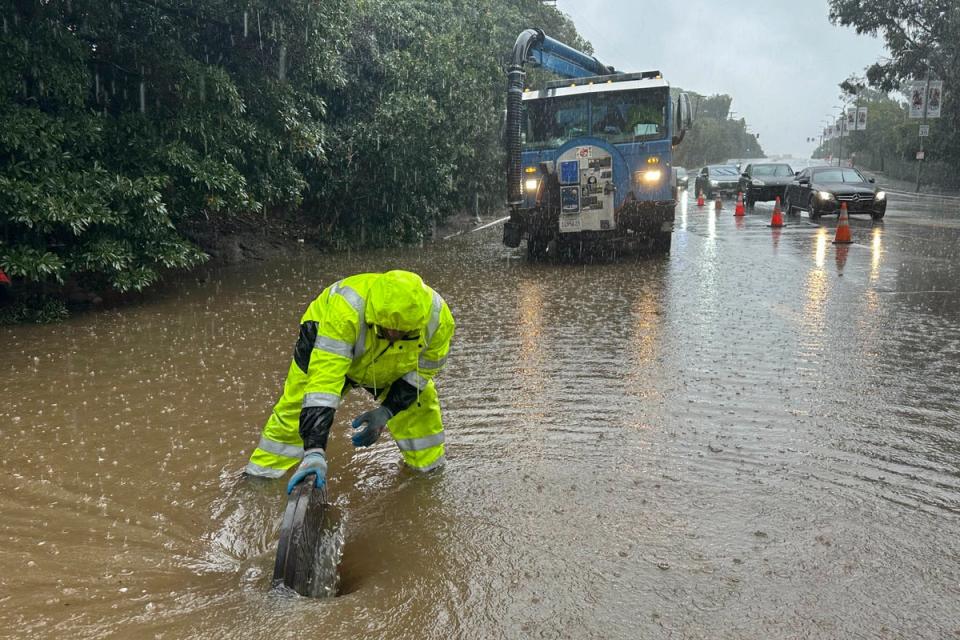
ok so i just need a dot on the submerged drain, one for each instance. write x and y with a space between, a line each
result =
311 544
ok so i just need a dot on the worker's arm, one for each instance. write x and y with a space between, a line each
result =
330 357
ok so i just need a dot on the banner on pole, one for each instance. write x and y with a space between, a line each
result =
862 119
934 98
918 99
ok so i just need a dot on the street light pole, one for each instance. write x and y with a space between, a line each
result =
843 131
926 97
843 126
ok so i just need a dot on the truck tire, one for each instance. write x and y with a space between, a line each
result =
536 246
512 234
662 241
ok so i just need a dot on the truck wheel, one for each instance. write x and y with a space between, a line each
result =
511 234
536 247
661 241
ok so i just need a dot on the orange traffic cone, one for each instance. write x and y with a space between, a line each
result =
739 210
843 227
776 220
718 203
700 199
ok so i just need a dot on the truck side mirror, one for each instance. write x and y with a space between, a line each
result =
682 118
686 114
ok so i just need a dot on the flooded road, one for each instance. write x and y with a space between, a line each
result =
755 437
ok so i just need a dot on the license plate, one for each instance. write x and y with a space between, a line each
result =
569 223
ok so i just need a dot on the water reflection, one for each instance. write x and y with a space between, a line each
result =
876 253
816 289
712 226
684 207
820 247
530 311
840 255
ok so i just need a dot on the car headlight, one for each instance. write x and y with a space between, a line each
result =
881 195
531 185
714 183
825 195
758 183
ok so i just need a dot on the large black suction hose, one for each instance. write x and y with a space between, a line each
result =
515 80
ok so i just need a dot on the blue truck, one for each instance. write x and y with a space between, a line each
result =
589 156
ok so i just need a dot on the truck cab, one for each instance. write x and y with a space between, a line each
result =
593 157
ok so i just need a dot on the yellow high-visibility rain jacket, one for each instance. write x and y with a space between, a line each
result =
341 345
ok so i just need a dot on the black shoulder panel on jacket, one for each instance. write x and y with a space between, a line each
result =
308 336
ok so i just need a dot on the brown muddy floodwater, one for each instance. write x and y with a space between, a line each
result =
755 437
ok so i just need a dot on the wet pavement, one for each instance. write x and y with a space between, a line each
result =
755 437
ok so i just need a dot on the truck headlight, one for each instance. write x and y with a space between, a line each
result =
758 183
530 185
825 195
651 176
714 183
881 195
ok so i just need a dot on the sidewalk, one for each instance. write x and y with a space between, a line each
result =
907 187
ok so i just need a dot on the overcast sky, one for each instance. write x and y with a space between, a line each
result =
781 60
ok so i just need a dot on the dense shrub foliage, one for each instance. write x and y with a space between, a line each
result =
127 126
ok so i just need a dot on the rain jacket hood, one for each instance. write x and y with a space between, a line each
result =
399 300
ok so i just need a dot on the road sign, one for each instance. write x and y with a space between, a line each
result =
919 155
924 130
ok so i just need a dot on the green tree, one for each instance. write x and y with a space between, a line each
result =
715 137
125 123
923 39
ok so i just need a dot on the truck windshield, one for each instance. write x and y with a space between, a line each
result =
628 116
550 123
618 116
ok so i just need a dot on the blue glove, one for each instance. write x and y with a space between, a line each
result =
314 463
370 425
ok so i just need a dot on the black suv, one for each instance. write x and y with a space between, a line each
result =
761 182
717 178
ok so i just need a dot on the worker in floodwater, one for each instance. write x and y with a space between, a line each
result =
386 332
